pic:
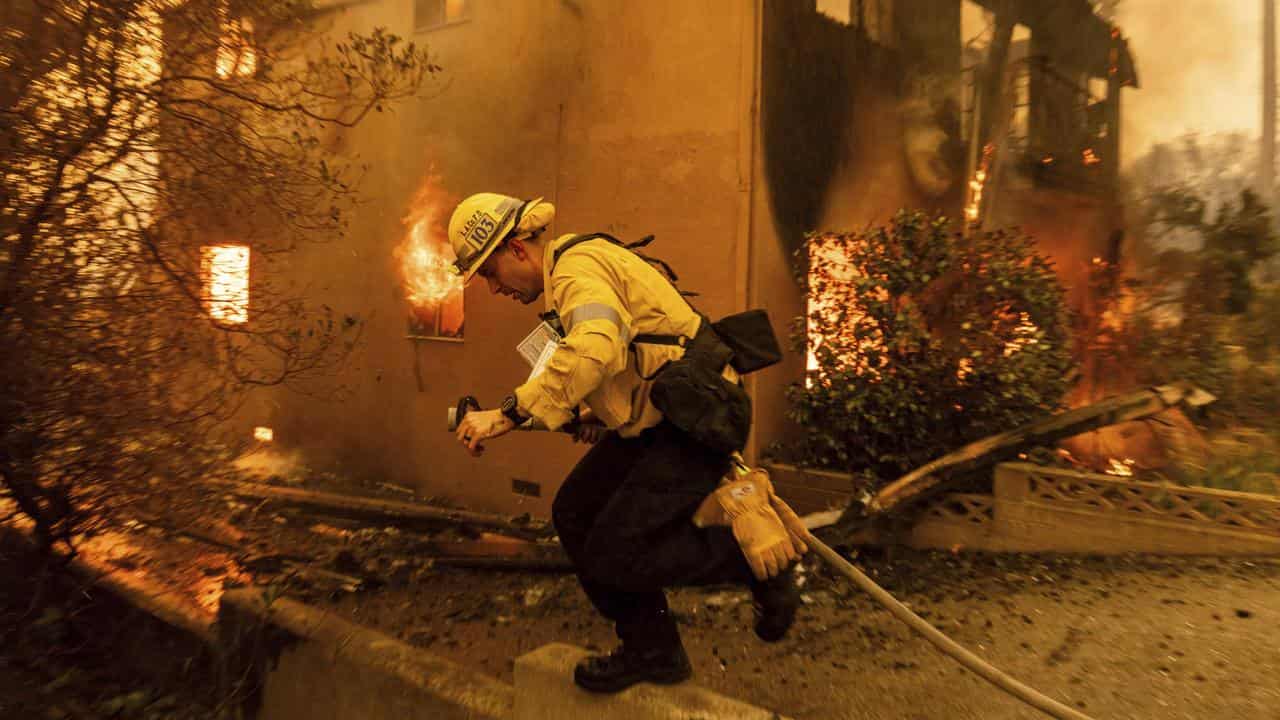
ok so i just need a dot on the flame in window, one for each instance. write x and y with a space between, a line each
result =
427 264
426 260
226 276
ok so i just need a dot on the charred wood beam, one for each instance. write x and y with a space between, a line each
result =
933 477
393 512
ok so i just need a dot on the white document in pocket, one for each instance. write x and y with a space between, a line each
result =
538 346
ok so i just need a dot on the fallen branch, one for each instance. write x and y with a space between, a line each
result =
934 476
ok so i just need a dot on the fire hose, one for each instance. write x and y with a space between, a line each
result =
946 645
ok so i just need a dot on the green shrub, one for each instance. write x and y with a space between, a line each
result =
924 340
1240 459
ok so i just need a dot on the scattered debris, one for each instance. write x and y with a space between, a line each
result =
533 564
723 599
398 488
330 531
534 596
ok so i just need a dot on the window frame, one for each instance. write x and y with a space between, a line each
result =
465 17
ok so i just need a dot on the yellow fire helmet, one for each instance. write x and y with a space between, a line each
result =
481 223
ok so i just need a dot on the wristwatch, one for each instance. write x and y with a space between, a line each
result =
512 410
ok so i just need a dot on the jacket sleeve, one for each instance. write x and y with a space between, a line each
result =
593 349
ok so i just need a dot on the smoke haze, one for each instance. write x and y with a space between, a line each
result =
1200 67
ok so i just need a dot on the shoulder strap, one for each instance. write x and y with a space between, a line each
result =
643 338
632 246
577 239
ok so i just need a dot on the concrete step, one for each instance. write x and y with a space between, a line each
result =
545 691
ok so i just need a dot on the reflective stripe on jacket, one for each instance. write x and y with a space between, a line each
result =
605 295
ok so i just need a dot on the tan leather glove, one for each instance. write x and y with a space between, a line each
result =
744 505
795 526
712 514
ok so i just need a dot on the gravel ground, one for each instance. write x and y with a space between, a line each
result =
1124 637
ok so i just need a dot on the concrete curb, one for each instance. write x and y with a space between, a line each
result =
287 660
300 662
168 606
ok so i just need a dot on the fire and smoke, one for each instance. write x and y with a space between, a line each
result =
826 305
425 258
1200 65
973 208
1120 468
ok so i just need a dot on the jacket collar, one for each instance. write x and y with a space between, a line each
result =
548 254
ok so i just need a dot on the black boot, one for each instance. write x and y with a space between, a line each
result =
650 651
776 601
626 666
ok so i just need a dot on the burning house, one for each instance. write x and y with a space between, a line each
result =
726 129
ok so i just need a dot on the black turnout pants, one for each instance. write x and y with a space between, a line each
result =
624 518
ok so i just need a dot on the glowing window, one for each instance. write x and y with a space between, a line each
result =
1019 54
237 56
428 14
434 292
225 269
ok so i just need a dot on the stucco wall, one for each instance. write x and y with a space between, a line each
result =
726 128
628 116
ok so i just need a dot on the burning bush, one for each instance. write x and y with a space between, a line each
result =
921 339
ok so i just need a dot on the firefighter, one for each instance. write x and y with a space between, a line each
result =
625 512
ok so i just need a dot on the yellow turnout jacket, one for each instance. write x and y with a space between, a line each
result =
605 295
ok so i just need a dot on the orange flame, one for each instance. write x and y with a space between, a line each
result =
1022 335
973 209
426 259
1090 157
1120 468
825 305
